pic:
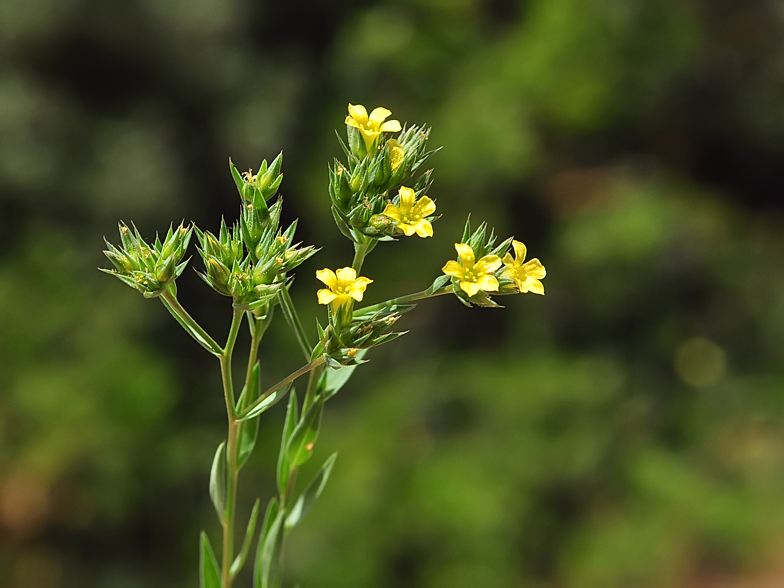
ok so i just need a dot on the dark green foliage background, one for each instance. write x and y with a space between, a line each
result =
635 146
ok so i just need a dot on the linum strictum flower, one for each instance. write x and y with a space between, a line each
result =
341 287
473 276
526 275
410 215
371 126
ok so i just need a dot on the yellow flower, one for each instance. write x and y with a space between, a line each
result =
396 153
342 287
526 275
371 126
411 215
473 276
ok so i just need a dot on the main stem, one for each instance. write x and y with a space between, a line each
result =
234 425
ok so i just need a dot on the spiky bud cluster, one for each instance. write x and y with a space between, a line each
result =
367 329
360 188
249 261
148 268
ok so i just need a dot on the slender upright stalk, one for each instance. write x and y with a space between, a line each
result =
231 448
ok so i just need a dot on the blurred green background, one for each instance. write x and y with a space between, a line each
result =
624 431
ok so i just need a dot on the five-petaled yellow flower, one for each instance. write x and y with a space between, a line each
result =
371 126
342 287
410 216
473 276
526 275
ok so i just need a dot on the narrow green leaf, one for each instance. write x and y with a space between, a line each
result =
248 429
239 561
266 573
267 403
437 284
288 428
209 346
300 445
311 493
218 481
209 571
334 379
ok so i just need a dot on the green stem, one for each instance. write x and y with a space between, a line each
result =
257 328
287 305
360 252
283 383
231 449
310 392
407 299
187 322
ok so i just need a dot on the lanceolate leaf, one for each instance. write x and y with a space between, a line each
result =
267 403
239 561
334 379
311 493
248 429
300 446
209 572
218 481
268 556
288 429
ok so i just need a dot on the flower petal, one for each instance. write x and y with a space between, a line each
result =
423 228
534 268
358 113
407 198
327 276
466 255
424 207
392 212
488 283
509 261
520 251
452 268
362 283
358 288
346 275
407 228
469 288
535 286
391 126
325 296
488 264
379 115
352 122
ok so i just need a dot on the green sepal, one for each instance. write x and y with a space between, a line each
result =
238 181
356 142
502 248
239 561
209 571
289 425
339 221
218 481
312 492
249 428
300 445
